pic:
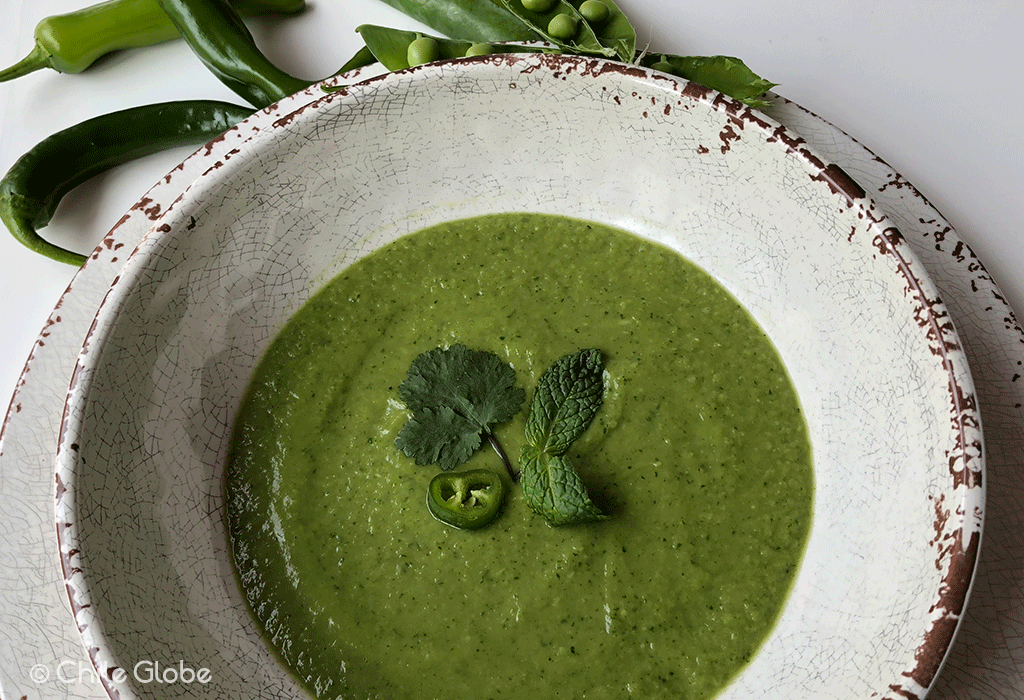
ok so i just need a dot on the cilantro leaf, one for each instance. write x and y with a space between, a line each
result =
554 490
567 398
455 395
439 436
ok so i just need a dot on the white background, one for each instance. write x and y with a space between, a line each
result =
930 86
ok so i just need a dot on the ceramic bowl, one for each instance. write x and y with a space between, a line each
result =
869 345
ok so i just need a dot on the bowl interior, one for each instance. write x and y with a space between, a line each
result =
870 348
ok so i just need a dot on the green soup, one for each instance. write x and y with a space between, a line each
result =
699 454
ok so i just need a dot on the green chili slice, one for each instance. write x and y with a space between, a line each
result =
35 184
70 43
466 500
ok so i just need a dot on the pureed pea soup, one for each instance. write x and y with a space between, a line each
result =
699 455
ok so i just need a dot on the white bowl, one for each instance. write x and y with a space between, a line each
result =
870 348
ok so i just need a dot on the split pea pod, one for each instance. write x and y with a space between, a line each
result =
599 27
70 43
577 29
397 49
35 184
219 38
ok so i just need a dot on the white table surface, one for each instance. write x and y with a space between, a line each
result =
928 85
931 86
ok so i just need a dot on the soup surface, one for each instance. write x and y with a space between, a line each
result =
699 455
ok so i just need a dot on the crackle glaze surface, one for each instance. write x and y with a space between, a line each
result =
993 342
870 347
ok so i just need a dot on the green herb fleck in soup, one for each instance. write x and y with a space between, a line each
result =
698 462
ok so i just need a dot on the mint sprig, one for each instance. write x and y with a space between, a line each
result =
567 398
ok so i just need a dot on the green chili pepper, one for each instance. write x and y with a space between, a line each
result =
466 500
72 42
35 184
224 44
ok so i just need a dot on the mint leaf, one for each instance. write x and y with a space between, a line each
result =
567 398
554 490
456 395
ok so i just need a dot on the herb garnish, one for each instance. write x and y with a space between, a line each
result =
567 398
456 395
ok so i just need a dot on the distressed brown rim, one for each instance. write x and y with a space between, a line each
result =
966 468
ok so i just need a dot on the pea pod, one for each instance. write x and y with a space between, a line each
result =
224 44
35 184
725 74
615 31
583 41
391 46
362 58
70 43
477 20
613 36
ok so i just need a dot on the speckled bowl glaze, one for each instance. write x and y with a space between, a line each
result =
871 349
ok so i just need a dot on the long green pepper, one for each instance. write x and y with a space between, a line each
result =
217 35
35 184
70 43
31 190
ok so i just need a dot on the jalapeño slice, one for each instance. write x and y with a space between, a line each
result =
466 500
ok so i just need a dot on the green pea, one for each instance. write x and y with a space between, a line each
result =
422 50
594 11
480 49
562 26
538 5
